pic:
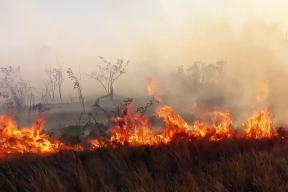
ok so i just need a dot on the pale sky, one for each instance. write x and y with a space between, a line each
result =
156 35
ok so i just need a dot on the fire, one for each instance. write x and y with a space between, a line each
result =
222 125
135 129
260 126
262 91
132 128
152 88
30 140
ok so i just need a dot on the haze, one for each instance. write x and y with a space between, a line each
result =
156 35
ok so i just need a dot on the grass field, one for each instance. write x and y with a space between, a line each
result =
181 165
227 165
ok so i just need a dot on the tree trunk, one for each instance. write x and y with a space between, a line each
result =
111 93
60 93
53 94
110 96
83 105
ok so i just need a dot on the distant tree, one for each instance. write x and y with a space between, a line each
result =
198 75
46 96
108 74
14 89
76 85
71 99
205 83
59 79
55 80
51 84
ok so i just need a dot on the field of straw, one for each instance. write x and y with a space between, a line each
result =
201 107
227 165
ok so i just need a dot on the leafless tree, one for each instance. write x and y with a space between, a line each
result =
198 75
31 99
55 80
16 88
76 85
59 79
47 92
71 99
51 83
17 93
107 74
45 96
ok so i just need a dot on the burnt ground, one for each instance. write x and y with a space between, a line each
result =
198 166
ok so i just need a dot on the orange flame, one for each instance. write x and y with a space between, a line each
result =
152 88
14 140
262 91
134 129
260 126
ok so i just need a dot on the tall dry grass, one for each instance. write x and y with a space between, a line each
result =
228 165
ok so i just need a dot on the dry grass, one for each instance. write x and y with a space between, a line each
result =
229 165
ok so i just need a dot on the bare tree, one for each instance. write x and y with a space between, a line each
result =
31 99
198 75
51 84
16 92
47 92
45 96
59 78
108 74
55 80
207 83
16 88
76 85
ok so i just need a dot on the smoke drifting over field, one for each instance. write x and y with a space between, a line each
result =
156 36
255 52
253 42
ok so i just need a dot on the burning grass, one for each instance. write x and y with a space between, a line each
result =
200 156
134 129
199 165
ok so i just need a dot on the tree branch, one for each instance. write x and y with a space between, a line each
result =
93 77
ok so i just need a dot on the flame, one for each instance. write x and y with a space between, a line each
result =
222 125
135 129
262 91
260 125
152 88
30 140
132 128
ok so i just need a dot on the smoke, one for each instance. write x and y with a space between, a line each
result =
254 52
157 36
254 48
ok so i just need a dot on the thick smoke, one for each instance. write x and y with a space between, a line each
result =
157 36
254 52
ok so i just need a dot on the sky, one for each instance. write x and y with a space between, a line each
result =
155 35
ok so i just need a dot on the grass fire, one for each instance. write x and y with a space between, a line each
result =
143 96
133 128
134 144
